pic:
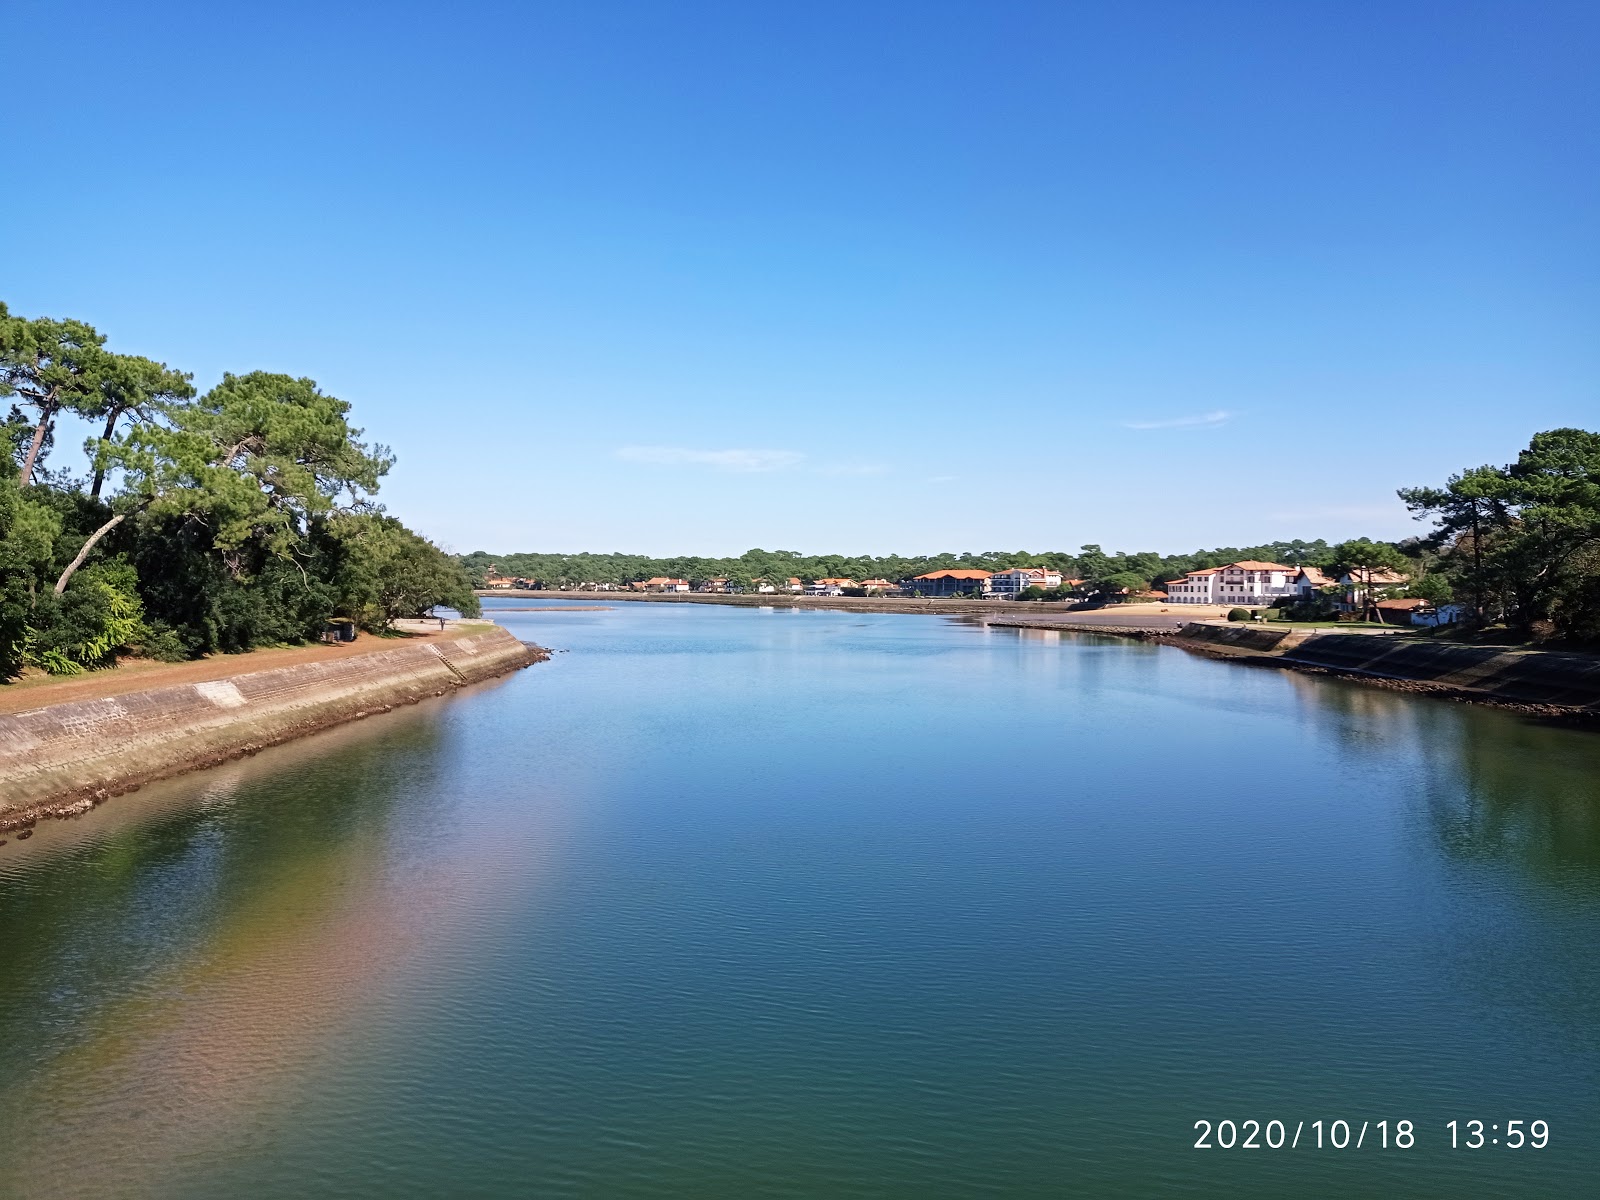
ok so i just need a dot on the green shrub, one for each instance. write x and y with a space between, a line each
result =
1240 614
161 643
89 625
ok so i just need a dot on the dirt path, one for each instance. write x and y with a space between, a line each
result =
36 690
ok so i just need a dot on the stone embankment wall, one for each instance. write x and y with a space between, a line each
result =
1241 637
65 758
1543 681
1531 677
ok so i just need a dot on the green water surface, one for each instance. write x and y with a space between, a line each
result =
728 902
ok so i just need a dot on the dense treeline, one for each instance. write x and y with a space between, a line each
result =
1133 571
223 522
1520 544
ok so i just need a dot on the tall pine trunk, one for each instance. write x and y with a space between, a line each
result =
99 472
46 413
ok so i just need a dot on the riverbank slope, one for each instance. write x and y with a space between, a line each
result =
59 759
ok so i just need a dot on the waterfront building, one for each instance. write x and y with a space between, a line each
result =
952 583
1013 581
829 587
1241 583
660 583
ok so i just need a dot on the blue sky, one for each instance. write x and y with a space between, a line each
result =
867 277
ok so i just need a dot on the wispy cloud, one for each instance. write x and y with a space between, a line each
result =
854 469
722 460
1219 417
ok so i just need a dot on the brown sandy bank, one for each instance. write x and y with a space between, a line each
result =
71 753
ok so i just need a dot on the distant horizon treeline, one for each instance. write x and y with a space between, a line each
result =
219 522
1135 570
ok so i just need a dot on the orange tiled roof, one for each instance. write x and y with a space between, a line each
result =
955 575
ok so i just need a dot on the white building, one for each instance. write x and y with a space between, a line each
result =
1242 583
1444 614
1310 580
829 587
1012 582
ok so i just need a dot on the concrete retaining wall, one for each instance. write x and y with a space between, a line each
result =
1521 676
1243 637
66 757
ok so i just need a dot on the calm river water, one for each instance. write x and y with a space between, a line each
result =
727 902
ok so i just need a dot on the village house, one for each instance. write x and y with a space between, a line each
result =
1241 583
1355 584
718 585
829 587
1310 581
794 584
1431 617
879 587
493 579
1013 581
952 583
661 583
1399 612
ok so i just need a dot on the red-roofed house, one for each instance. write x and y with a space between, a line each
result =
952 583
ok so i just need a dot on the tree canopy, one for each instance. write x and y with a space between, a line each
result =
1521 543
244 517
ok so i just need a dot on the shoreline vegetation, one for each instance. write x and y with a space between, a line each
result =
216 523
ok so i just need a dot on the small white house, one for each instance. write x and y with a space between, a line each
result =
1432 618
1310 581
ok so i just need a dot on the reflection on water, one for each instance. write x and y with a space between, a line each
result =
1529 795
175 970
1496 786
744 902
